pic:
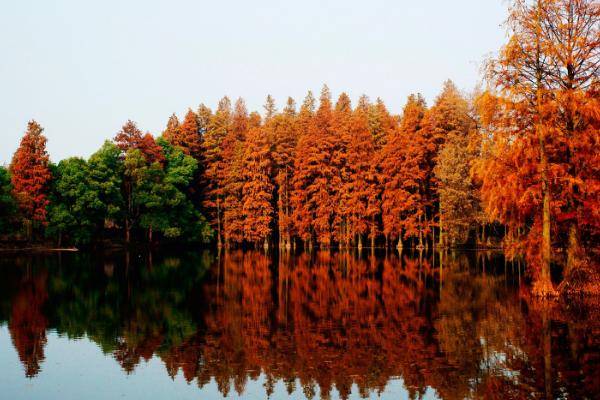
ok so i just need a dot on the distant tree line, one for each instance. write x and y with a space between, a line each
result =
518 161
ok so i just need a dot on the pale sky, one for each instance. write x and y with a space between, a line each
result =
82 68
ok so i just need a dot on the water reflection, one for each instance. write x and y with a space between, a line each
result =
322 324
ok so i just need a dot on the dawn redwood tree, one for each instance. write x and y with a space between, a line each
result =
340 176
129 137
257 189
402 176
312 200
361 192
270 108
381 123
30 176
151 150
187 136
543 118
449 120
172 129
283 133
232 174
217 128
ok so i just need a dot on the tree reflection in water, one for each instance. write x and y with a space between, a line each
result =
457 323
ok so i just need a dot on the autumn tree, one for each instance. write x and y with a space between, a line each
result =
401 160
339 138
282 131
312 201
30 176
449 156
216 130
129 137
543 120
232 175
381 123
172 129
361 191
257 189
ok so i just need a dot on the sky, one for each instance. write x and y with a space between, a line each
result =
83 68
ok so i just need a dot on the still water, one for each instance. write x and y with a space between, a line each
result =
326 325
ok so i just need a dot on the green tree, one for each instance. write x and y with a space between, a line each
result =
72 203
8 203
105 178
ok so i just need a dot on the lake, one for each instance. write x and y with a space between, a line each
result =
326 325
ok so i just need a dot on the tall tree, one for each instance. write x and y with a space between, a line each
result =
105 178
449 124
232 175
31 175
283 132
172 129
402 176
542 77
270 108
129 137
312 200
257 190
216 131
340 137
362 197
187 136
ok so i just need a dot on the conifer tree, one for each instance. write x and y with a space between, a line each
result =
129 137
216 131
283 132
312 200
172 129
257 190
402 175
30 175
232 175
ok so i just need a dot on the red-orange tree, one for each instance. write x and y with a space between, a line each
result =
282 131
30 175
257 189
312 201
401 160
218 125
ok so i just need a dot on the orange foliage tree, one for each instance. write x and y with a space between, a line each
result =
403 206
542 130
31 176
312 201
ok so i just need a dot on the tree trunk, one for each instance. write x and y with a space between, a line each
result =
441 228
574 250
544 285
127 230
219 242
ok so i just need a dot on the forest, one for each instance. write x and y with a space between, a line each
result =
513 165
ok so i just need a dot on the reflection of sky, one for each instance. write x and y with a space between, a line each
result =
77 369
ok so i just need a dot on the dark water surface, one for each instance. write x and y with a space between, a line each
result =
250 325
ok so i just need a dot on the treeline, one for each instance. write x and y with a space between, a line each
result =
518 160
327 174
